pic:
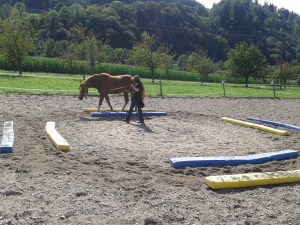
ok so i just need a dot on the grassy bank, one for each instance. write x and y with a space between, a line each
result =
65 84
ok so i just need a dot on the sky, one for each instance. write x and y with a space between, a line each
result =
291 5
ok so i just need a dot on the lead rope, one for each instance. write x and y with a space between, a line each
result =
110 90
116 88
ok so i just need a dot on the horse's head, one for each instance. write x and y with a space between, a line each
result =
83 90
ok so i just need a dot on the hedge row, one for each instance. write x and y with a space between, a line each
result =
58 66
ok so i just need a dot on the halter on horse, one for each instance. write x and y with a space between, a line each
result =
107 84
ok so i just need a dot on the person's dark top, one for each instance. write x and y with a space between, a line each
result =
138 95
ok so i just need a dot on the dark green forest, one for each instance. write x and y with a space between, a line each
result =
181 24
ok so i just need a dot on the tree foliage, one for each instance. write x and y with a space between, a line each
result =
199 62
284 72
167 64
149 53
180 24
274 31
94 51
16 38
245 61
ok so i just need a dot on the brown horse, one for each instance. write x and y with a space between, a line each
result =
107 84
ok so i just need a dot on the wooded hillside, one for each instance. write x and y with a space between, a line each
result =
181 24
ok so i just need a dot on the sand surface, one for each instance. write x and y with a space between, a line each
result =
119 173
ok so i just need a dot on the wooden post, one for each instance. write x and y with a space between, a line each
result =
223 85
160 87
273 89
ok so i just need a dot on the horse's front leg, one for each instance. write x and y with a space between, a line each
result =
100 102
108 102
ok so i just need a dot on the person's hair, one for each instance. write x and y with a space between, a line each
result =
143 95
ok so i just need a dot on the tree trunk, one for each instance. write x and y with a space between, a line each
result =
92 67
152 75
160 85
20 68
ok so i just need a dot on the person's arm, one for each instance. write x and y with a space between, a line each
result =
135 89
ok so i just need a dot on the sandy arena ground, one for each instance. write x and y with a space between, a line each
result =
119 173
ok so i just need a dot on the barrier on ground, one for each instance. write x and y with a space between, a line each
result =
8 137
252 179
181 162
59 142
110 114
257 126
115 110
291 127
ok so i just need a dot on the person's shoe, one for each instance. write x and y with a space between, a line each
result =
141 122
125 120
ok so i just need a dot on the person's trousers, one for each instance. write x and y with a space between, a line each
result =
132 105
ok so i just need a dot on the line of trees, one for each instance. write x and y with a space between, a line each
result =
57 34
181 24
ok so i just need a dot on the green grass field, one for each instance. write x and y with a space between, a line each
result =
67 84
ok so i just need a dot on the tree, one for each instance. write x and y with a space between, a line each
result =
167 63
49 48
149 53
65 17
200 63
92 48
74 49
288 71
5 11
70 56
91 51
60 48
245 61
118 55
16 38
265 73
182 62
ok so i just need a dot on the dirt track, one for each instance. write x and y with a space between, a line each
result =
118 173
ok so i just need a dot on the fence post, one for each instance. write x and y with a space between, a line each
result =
273 89
160 88
223 85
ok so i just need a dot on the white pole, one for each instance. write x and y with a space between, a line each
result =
273 88
223 85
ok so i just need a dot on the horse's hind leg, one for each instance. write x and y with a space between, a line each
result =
100 102
126 98
108 102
